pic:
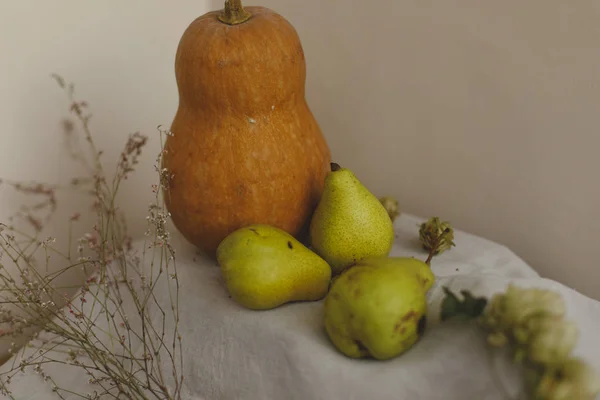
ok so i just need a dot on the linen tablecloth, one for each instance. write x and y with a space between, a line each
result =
232 353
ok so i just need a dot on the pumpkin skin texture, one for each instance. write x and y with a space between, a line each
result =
246 148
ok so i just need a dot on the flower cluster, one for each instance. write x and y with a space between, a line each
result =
531 321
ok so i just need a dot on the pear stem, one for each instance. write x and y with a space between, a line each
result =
335 167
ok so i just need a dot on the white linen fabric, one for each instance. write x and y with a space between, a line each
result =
236 354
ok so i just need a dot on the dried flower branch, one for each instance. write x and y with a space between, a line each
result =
117 327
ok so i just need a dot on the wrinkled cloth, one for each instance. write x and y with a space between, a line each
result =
232 353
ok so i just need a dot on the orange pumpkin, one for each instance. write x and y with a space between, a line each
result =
245 147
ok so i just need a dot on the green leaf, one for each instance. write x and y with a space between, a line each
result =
450 305
469 308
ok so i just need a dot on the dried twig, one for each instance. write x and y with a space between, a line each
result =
109 328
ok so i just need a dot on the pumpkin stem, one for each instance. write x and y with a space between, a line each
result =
234 13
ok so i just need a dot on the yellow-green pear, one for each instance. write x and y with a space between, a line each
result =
406 264
265 267
377 308
349 223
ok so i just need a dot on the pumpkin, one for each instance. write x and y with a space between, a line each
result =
246 147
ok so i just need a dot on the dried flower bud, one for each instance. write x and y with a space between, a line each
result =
391 206
436 235
553 340
574 380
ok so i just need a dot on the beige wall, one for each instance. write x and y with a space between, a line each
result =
120 57
483 113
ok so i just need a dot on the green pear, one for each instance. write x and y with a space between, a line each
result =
377 308
407 264
265 267
349 223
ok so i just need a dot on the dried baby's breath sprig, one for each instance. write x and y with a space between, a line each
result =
115 327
